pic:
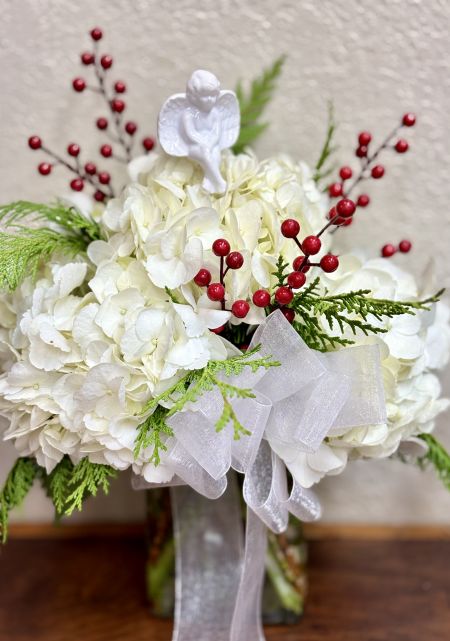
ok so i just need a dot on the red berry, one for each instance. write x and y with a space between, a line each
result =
79 84
329 263
345 208
289 314
363 200
361 151
405 246
148 143
203 278
117 105
240 308
44 168
345 173
99 196
296 280
104 178
106 151
90 168
73 149
301 264
34 142
96 33
261 298
235 260
311 245
130 127
221 247
120 87
290 228
335 190
77 184
401 146
101 123
345 222
87 58
106 61
216 291
284 295
377 171
409 120
364 138
388 250
218 330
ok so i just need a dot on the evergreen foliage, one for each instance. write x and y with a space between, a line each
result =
253 104
438 457
17 485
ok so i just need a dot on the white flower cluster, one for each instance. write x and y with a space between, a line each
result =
83 348
412 347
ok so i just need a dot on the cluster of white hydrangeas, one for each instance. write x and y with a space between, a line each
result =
84 347
411 349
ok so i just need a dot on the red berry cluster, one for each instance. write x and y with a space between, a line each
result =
370 168
123 134
216 291
389 249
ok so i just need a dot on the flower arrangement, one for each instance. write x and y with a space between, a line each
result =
146 328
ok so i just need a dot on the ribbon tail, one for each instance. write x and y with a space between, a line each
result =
247 620
209 548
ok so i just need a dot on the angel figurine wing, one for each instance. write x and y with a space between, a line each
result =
230 116
170 128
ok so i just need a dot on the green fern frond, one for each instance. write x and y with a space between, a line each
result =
66 217
17 485
438 457
253 104
321 170
21 254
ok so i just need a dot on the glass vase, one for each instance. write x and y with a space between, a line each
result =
285 582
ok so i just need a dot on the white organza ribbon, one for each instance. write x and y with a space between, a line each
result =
308 397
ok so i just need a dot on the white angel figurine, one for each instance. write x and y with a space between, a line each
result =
199 124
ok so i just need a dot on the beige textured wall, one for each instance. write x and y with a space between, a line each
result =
375 59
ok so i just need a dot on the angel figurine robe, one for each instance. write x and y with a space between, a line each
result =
199 124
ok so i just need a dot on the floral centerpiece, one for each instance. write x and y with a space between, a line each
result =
196 325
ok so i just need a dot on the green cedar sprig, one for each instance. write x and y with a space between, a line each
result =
68 485
22 253
438 457
68 218
253 104
322 168
189 389
347 311
17 485
24 248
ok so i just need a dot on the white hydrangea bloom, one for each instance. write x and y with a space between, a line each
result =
84 348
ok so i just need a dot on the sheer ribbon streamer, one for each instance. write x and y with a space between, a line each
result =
308 397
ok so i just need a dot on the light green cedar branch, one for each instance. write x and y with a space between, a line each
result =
22 253
85 480
438 457
253 104
66 217
189 389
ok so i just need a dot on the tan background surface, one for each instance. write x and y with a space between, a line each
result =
375 60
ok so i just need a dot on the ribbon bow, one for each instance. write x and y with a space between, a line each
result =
296 405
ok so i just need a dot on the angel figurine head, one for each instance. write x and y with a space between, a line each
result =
199 124
203 89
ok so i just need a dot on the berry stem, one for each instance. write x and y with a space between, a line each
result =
366 162
76 170
117 117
